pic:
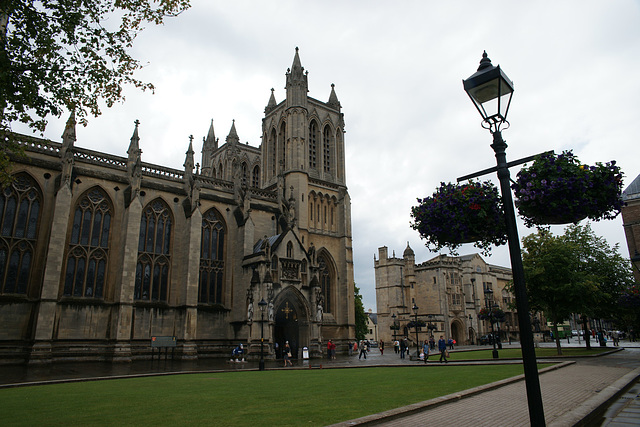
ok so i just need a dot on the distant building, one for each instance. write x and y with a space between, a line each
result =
372 326
631 223
449 293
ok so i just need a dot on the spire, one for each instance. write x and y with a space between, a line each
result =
408 252
296 68
189 162
211 137
209 145
333 99
134 148
233 135
272 103
134 162
69 134
297 86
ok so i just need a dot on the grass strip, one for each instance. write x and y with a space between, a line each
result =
516 353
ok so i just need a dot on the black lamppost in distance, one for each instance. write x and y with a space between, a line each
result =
393 316
415 312
491 90
262 304
488 292
498 325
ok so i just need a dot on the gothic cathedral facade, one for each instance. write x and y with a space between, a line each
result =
101 253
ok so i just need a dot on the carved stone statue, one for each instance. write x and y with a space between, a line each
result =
319 307
250 306
271 311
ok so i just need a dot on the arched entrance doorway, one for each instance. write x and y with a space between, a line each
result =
286 327
458 332
291 323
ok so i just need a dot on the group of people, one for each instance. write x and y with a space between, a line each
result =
402 347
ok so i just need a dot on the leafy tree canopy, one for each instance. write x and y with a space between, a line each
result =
361 316
58 55
577 272
69 54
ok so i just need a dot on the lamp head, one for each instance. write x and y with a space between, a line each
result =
414 308
490 90
262 304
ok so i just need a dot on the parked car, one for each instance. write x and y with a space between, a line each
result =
486 339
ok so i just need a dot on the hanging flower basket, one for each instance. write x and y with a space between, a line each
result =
557 189
461 213
413 324
495 314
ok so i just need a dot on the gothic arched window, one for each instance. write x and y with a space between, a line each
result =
326 149
154 253
245 172
289 250
20 205
326 282
313 144
211 279
255 177
282 144
88 254
273 152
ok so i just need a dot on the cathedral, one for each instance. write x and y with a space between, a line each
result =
103 255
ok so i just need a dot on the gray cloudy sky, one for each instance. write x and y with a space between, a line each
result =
398 70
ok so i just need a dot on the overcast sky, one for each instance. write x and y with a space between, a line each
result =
397 69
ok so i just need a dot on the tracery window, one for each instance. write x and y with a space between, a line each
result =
245 173
211 278
289 250
154 253
273 152
313 142
88 254
326 149
20 205
255 177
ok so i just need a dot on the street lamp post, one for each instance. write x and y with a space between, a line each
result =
491 90
415 312
393 316
488 292
262 304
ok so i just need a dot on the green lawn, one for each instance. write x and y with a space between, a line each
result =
516 353
283 397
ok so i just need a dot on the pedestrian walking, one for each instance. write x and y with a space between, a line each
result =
396 346
363 351
287 354
381 348
403 346
425 350
442 347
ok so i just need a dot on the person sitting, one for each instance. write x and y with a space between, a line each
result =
238 351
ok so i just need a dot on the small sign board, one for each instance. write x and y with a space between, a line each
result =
163 341
305 353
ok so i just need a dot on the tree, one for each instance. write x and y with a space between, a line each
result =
58 55
361 316
577 272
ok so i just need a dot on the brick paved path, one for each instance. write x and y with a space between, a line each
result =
507 406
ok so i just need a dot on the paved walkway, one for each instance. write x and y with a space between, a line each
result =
579 390
574 393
